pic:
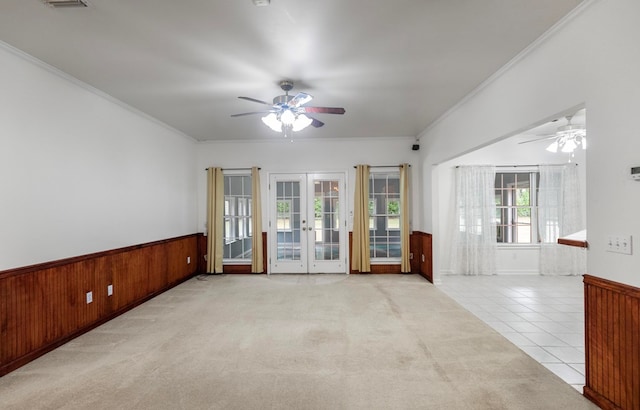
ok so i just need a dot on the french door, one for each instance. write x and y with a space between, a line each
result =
307 224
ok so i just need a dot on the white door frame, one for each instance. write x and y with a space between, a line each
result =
305 250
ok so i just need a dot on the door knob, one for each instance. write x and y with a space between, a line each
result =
304 229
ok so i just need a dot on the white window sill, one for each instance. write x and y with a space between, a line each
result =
523 246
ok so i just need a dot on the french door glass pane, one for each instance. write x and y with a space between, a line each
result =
326 222
288 220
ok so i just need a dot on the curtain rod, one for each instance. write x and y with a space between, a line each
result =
234 169
384 166
523 166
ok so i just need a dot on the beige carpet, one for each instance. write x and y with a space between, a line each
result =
291 342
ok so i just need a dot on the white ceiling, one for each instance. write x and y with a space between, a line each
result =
395 66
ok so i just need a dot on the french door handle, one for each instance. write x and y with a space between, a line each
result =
304 229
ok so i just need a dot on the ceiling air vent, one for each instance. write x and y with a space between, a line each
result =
66 3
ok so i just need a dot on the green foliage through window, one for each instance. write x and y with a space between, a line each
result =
283 206
522 199
393 207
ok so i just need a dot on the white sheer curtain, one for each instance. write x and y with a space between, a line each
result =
560 214
474 237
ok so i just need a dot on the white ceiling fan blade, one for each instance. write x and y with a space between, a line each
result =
256 100
538 139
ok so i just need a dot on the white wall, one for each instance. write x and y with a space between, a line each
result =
303 155
80 173
511 259
591 59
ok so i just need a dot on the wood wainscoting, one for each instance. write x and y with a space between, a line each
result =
232 268
421 262
612 343
421 248
44 306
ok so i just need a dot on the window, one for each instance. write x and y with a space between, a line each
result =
516 207
237 218
384 215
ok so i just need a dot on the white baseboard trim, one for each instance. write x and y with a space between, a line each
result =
500 272
518 272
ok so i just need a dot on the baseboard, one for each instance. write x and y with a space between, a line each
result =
498 273
523 272
600 400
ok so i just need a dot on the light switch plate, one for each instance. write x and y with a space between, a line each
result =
619 244
89 297
109 290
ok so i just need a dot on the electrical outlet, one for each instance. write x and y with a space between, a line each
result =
109 290
619 244
89 297
188 260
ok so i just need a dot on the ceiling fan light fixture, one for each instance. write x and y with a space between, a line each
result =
301 122
271 121
569 145
286 114
553 147
287 117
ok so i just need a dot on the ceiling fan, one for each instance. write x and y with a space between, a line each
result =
566 138
288 113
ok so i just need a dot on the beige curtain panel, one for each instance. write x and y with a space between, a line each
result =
215 215
361 257
257 258
405 264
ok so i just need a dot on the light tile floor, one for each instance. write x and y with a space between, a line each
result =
542 315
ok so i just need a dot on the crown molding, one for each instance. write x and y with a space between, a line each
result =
560 24
61 74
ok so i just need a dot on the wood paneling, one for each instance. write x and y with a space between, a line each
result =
612 343
231 268
426 256
415 241
421 263
43 306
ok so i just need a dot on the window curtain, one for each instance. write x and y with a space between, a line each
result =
474 238
215 216
405 247
361 258
560 214
257 258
